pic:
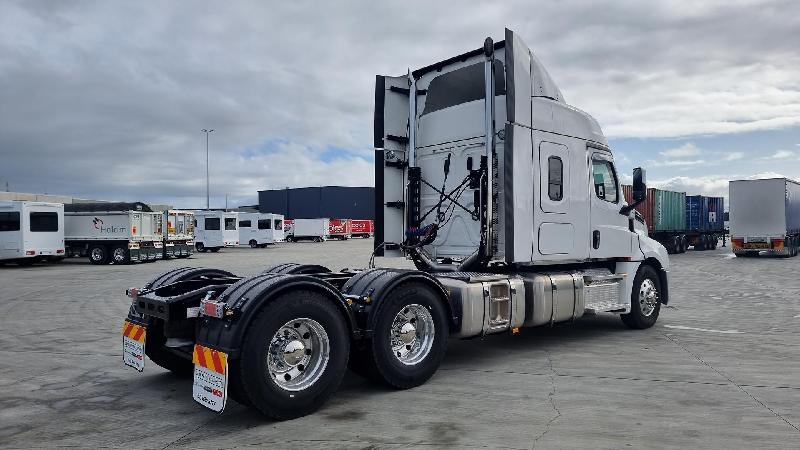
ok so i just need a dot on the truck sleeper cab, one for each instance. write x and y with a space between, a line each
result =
31 232
504 197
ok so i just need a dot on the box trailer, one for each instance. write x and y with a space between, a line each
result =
113 233
501 240
317 230
214 230
765 216
362 228
679 221
31 232
341 229
179 236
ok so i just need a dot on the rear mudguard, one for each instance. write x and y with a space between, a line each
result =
246 297
374 284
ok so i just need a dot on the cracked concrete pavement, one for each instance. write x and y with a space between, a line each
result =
719 370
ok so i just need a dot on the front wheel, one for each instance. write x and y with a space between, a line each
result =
645 299
294 355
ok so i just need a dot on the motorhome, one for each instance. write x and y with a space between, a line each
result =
31 232
215 229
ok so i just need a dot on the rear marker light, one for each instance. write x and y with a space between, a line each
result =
777 244
60 251
30 252
212 309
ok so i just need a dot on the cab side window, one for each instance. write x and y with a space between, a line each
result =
605 180
555 182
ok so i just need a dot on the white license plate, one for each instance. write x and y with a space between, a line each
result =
210 387
133 338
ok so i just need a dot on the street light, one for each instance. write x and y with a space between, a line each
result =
208 191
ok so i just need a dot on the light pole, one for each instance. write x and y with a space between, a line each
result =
208 183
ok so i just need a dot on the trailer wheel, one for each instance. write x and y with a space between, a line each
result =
120 255
645 299
200 247
409 338
253 243
294 355
98 254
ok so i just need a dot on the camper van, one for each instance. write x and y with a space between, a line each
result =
215 229
31 232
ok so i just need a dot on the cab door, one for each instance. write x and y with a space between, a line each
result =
609 234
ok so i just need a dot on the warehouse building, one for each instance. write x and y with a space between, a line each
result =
325 201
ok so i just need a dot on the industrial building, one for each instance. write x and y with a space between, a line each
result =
324 201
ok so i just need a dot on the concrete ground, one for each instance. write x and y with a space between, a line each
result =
721 369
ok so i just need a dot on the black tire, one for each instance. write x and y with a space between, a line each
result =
200 247
684 243
387 365
214 250
637 318
253 243
289 238
296 269
26 262
120 255
98 254
254 376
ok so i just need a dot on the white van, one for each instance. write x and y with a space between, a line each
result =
215 229
31 232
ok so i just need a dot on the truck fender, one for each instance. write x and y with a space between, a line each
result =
245 298
656 256
375 284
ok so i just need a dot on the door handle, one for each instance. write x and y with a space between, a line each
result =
596 239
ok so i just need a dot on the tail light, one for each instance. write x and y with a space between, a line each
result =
30 252
212 308
777 244
132 292
60 251
737 243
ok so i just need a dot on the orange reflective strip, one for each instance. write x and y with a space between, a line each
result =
139 333
198 357
127 329
218 367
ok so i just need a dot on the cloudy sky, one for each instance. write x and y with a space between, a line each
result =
106 99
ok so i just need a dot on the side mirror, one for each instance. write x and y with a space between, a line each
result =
639 185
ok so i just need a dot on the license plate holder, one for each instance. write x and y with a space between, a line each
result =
133 342
210 386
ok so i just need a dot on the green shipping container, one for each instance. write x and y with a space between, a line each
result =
669 210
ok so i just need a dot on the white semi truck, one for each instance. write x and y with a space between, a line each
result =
179 236
117 233
31 232
507 200
215 229
765 217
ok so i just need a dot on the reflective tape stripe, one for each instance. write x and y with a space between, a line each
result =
133 331
209 358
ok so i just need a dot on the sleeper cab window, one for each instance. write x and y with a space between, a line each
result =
605 180
555 178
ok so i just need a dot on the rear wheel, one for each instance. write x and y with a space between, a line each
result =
120 255
645 299
200 247
409 338
253 243
98 254
294 355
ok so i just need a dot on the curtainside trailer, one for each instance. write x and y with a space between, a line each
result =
501 240
765 216
31 232
113 233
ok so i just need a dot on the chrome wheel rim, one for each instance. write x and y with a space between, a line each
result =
97 254
648 297
412 334
298 354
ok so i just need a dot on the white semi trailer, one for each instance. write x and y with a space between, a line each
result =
507 200
179 236
31 232
765 217
117 233
215 229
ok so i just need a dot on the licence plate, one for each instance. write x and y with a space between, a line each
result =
133 337
210 387
756 245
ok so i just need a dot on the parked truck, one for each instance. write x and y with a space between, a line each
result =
500 240
362 228
679 221
215 229
31 232
113 233
317 230
765 217
179 236
341 229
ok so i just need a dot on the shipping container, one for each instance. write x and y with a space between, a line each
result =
679 221
705 213
765 216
